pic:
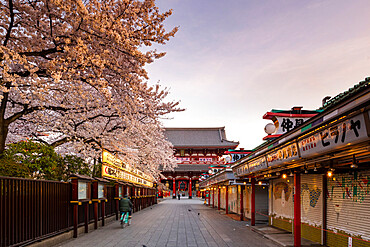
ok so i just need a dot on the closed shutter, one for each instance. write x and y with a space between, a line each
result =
282 203
312 206
247 202
261 203
283 198
223 198
233 199
348 206
311 199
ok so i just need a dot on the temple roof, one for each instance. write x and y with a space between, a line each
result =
199 138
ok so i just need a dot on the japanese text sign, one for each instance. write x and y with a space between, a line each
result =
349 131
285 154
258 164
288 123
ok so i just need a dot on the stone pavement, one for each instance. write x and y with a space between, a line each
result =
283 238
185 222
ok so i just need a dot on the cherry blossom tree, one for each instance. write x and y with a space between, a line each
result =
74 70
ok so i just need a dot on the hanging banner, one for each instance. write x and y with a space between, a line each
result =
281 155
350 131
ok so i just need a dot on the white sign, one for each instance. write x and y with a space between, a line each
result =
100 190
352 130
182 158
236 157
205 159
288 123
349 242
82 190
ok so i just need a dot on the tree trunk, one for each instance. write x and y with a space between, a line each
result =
4 125
4 128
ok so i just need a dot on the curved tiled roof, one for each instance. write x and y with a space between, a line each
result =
342 96
199 137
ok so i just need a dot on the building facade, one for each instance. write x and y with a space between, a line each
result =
197 150
317 175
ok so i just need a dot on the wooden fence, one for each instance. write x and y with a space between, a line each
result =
32 210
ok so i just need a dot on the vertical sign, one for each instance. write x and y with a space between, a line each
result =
349 242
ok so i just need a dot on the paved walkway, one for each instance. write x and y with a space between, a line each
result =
185 222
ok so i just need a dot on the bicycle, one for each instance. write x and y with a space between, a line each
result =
125 221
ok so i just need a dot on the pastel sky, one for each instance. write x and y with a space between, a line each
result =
233 60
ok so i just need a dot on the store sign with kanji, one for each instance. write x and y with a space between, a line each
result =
258 164
284 154
236 157
350 131
242 170
286 124
112 167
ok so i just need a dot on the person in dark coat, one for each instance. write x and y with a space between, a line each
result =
125 205
178 195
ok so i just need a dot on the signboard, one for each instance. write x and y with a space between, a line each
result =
182 158
236 157
349 131
112 172
113 167
258 164
111 159
242 170
286 124
205 159
101 190
281 155
82 190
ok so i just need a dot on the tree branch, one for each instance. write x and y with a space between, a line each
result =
9 30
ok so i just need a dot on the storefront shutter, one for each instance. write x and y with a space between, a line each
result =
312 206
282 203
348 208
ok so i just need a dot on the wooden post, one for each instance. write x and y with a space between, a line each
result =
117 196
253 202
102 212
75 205
227 199
297 209
241 203
87 217
95 201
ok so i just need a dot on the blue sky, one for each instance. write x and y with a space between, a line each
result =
232 61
